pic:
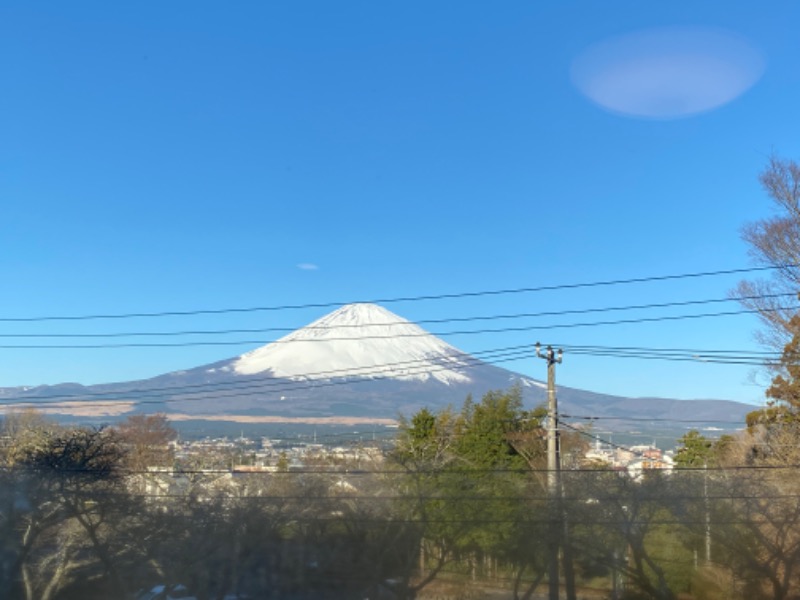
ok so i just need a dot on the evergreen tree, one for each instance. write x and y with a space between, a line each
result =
696 450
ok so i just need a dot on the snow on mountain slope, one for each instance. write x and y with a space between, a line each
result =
358 340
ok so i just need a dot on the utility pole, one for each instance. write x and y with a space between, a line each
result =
553 466
553 454
708 513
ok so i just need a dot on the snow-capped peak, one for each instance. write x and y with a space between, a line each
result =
358 340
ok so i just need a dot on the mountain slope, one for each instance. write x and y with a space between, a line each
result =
358 361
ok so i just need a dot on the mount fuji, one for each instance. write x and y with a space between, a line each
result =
360 363
359 340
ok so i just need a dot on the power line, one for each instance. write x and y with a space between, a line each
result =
443 497
692 351
749 357
367 371
279 387
728 360
543 288
599 439
651 420
667 318
268 382
467 471
401 323
156 395
507 353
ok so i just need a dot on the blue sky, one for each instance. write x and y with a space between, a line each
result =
194 155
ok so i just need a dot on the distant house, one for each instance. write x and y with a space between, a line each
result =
652 460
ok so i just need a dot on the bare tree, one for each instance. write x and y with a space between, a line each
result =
23 432
633 527
775 242
61 514
147 439
755 530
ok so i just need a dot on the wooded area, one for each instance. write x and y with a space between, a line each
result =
462 498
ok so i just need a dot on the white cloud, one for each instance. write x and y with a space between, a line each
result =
668 73
308 267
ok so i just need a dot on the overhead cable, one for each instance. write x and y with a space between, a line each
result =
401 323
543 288
277 387
640 320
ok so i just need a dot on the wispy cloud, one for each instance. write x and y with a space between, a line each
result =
668 73
308 267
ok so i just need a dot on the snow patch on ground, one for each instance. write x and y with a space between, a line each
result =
532 383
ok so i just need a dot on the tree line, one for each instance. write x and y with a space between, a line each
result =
461 501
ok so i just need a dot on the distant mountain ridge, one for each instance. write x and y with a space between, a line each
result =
360 361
